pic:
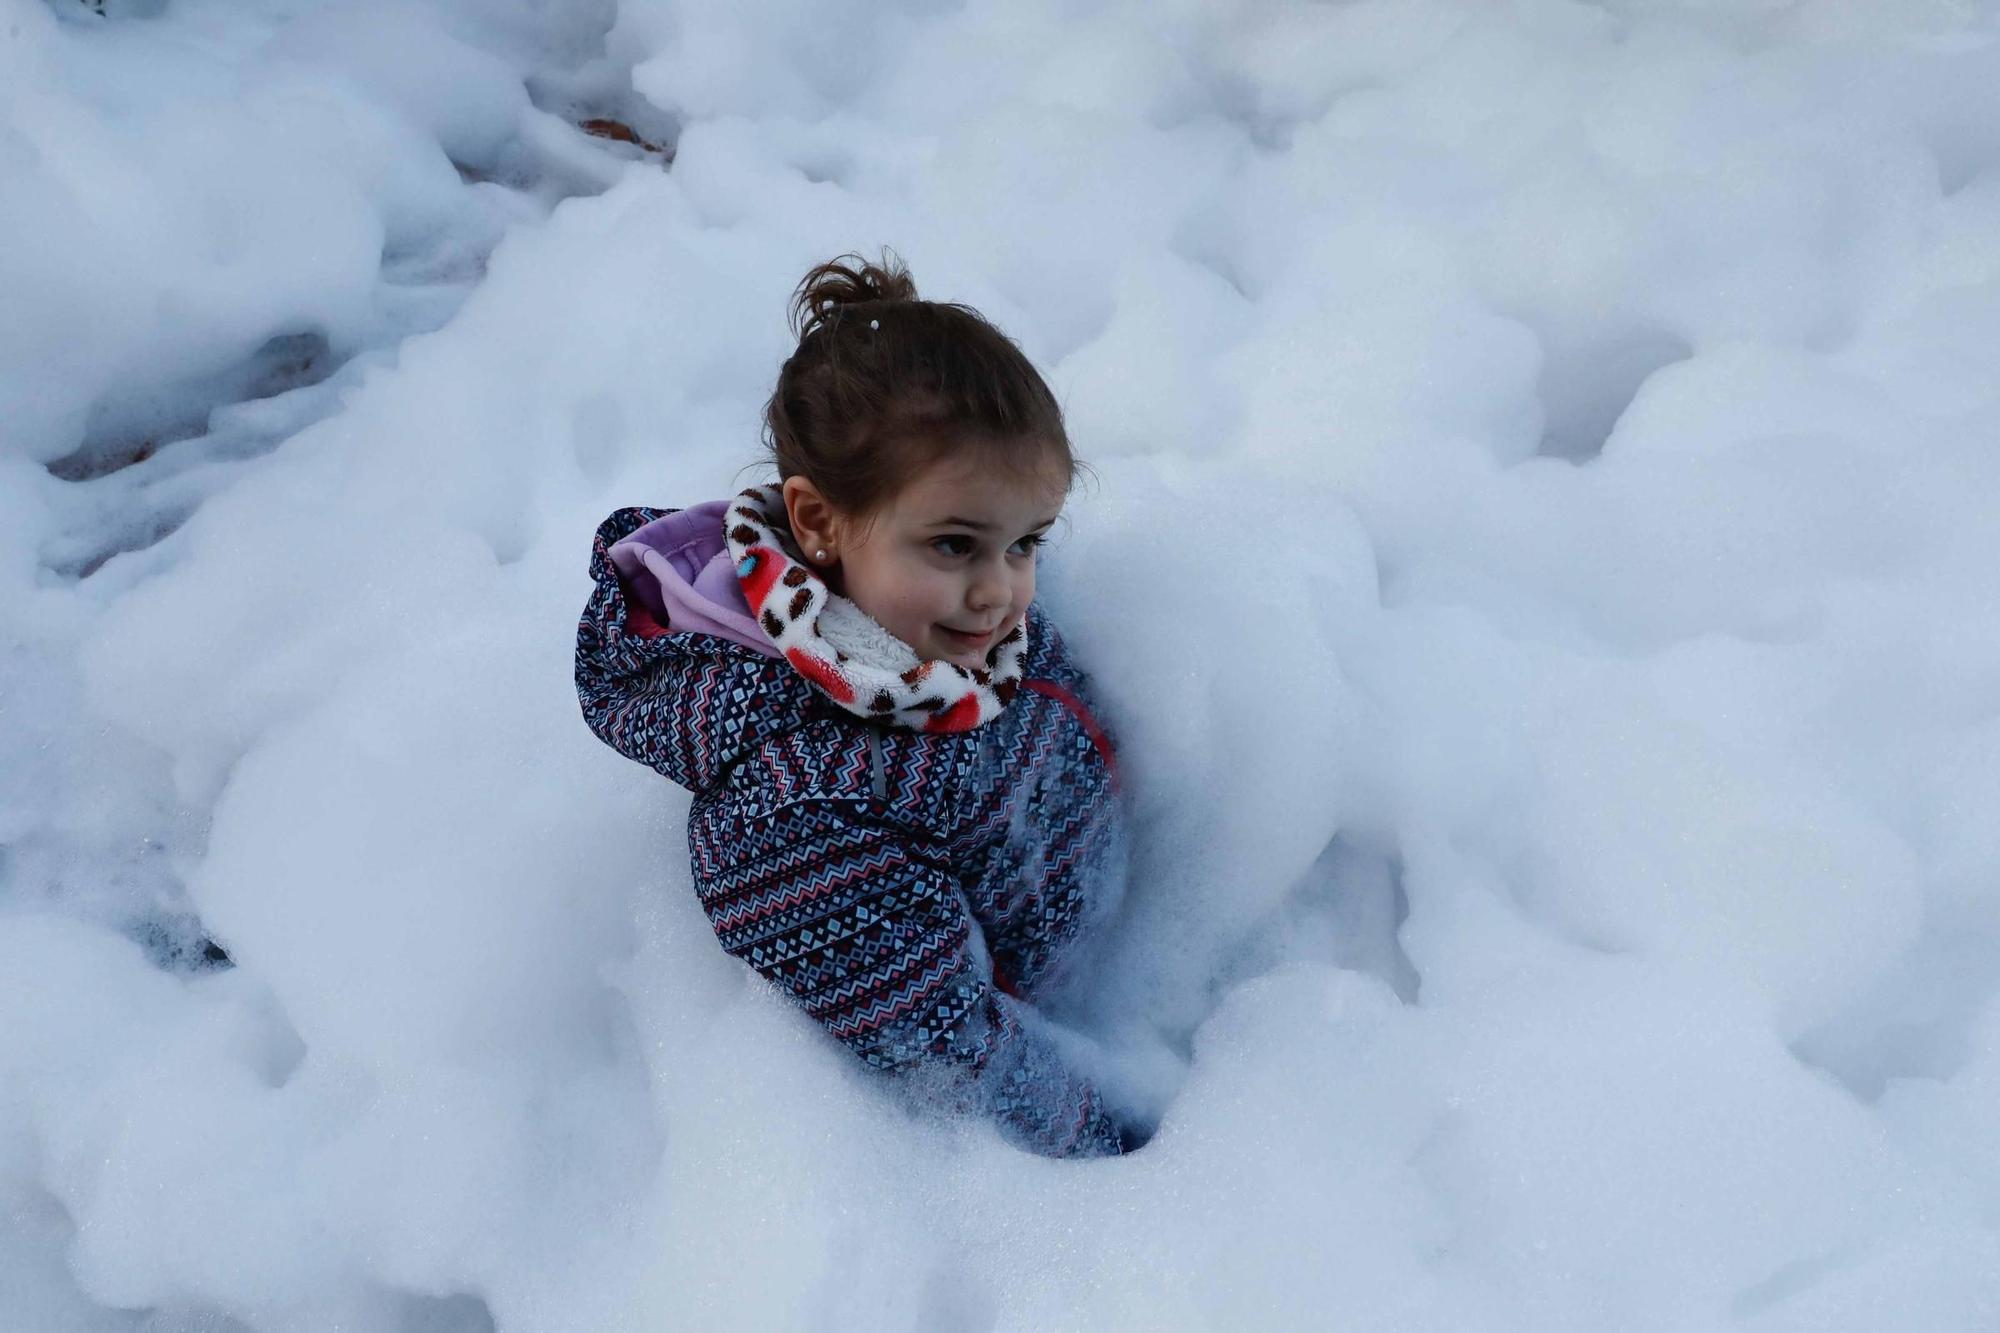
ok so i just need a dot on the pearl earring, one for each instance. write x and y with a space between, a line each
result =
820 554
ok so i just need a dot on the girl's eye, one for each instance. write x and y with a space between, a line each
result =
957 544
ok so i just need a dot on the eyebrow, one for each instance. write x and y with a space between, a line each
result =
977 526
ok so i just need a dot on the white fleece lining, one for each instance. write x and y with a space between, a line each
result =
862 637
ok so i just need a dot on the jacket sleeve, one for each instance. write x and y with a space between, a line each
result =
877 946
1061 872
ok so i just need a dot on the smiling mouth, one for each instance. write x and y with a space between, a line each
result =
968 638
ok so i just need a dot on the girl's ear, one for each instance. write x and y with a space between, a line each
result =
815 524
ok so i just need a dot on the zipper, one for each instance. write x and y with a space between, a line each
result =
877 777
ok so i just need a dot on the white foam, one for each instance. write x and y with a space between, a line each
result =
1541 570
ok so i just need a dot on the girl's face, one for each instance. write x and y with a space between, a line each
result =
948 565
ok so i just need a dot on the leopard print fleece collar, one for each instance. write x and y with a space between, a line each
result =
788 599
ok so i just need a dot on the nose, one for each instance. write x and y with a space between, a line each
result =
989 590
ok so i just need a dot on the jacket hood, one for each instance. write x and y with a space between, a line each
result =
688 703
679 568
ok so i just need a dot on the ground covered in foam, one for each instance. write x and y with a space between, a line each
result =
1542 564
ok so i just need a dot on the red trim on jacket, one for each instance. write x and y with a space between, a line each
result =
1083 715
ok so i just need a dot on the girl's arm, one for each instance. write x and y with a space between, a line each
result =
875 945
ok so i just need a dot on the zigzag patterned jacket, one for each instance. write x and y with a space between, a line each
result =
910 869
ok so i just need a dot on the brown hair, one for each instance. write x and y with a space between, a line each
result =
883 385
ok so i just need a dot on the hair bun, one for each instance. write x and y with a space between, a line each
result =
882 385
847 280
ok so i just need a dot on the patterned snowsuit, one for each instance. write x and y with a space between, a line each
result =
912 891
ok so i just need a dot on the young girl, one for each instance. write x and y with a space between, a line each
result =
904 809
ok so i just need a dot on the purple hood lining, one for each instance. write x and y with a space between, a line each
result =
679 568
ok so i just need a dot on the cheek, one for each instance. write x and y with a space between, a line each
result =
905 591
911 583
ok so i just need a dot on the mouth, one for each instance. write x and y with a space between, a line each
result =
961 639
